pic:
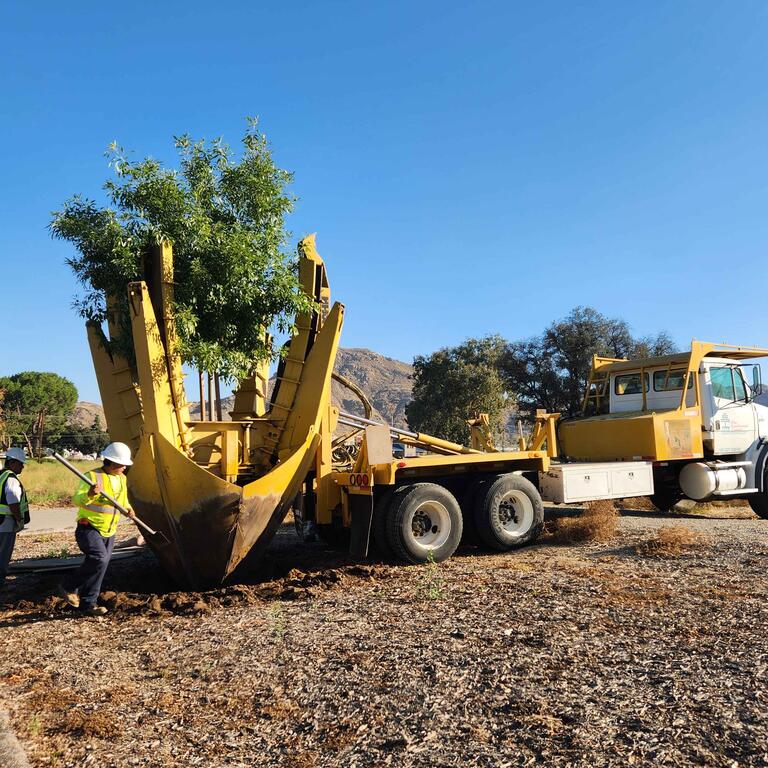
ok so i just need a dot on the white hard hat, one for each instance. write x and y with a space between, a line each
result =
16 453
118 453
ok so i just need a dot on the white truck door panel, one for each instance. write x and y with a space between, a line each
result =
731 421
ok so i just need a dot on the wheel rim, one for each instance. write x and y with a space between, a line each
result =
429 526
516 513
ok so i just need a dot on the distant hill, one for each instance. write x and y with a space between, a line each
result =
386 381
86 412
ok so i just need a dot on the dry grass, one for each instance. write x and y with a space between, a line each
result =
596 523
672 541
48 483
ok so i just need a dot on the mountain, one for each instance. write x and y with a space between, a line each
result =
386 381
85 413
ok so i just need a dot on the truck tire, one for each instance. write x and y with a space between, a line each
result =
423 522
759 504
508 513
379 524
666 498
759 501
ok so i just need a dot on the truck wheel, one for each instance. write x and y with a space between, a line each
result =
665 498
423 520
508 513
759 501
379 524
759 504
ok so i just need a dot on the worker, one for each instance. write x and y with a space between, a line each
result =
96 527
14 508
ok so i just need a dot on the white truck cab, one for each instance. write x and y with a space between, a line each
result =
694 415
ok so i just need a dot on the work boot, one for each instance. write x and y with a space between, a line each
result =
94 610
71 597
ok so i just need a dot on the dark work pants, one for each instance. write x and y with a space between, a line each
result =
7 542
88 577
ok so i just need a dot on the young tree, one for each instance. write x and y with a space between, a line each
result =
225 216
37 405
452 384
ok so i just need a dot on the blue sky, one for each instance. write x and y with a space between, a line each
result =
469 168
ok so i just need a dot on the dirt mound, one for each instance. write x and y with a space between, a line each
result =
295 585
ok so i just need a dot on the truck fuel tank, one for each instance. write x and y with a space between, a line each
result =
700 481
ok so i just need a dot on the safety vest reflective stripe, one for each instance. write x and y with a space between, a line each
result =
103 509
4 475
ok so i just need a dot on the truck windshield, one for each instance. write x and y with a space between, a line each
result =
738 382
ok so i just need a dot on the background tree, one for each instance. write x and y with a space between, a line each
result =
78 437
36 405
551 371
452 384
225 216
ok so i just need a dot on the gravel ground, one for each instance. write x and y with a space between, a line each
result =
581 655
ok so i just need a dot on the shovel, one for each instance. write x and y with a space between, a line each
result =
158 537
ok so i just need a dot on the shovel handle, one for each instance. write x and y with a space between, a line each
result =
112 501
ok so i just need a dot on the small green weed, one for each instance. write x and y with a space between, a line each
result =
432 586
276 621
35 725
57 553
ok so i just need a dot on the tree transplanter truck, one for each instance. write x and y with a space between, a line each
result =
218 490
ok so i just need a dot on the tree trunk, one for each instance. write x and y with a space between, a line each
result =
40 431
218 396
202 396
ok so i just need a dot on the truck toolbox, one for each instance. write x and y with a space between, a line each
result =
570 483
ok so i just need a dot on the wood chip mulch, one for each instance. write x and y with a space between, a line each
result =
589 654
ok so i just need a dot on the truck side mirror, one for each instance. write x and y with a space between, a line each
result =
757 384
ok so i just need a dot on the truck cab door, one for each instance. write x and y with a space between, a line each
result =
730 420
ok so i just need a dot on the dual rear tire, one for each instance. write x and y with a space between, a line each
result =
424 521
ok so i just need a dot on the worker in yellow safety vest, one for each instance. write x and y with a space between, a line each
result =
14 508
96 528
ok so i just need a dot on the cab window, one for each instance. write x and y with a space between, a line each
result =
664 383
738 381
629 384
722 383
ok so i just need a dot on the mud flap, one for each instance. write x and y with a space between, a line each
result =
361 509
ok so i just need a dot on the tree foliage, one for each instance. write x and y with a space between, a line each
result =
548 371
36 405
78 437
551 370
225 216
452 384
